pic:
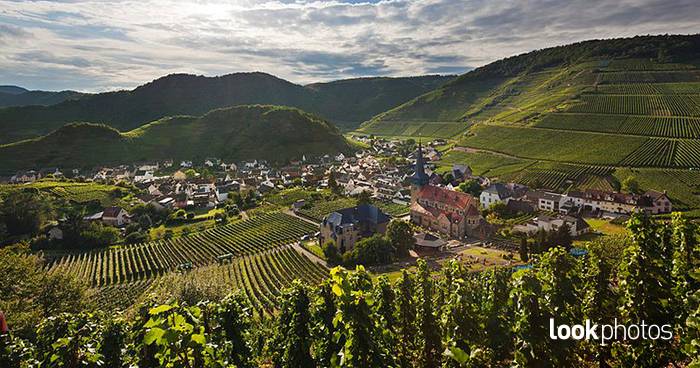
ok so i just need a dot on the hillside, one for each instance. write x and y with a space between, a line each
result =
252 131
586 115
22 97
345 102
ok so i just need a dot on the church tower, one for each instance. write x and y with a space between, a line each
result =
419 178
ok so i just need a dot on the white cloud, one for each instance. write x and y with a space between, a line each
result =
99 45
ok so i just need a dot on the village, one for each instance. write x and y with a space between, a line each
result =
446 212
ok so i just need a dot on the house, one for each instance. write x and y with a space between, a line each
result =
461 172
543 200
345 227
657 202
652 202
142 176
25 177
298 204
115 216
266 186
427 243
179 175
454 214
495 193
577 225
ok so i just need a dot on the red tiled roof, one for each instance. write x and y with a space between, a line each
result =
450 197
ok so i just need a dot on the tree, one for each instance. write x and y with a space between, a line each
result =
447 178
470 186
400 235
24 213
630 185
374 250
332 183
429 342
331 252
364 197
499 208
523 250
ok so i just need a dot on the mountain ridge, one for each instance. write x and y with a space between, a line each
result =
181 93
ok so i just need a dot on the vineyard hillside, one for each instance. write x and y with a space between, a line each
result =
585 115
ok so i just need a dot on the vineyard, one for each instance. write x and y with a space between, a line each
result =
671 127
658 105
647 88
415 129
643 65
131 263
625 77
558 176
260 276
656 152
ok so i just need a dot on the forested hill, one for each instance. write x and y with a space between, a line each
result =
17 96
346 102
266 132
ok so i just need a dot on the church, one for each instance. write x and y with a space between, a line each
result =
448 212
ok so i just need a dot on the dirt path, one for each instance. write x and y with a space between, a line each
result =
310 255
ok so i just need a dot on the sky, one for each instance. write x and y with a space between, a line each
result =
105 45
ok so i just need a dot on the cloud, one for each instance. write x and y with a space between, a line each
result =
96 45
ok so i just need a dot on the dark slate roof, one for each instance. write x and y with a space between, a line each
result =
419 177
428 240
358 214
499 189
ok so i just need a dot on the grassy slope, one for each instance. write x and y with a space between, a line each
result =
264 132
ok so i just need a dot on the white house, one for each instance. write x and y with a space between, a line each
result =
495 193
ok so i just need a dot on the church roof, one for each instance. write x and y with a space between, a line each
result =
450 197
419 176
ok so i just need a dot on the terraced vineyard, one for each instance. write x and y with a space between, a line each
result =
143 261
671 76
657 105
260 276
558 176
416 128
672 127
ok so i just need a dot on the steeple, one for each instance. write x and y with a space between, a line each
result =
419 177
